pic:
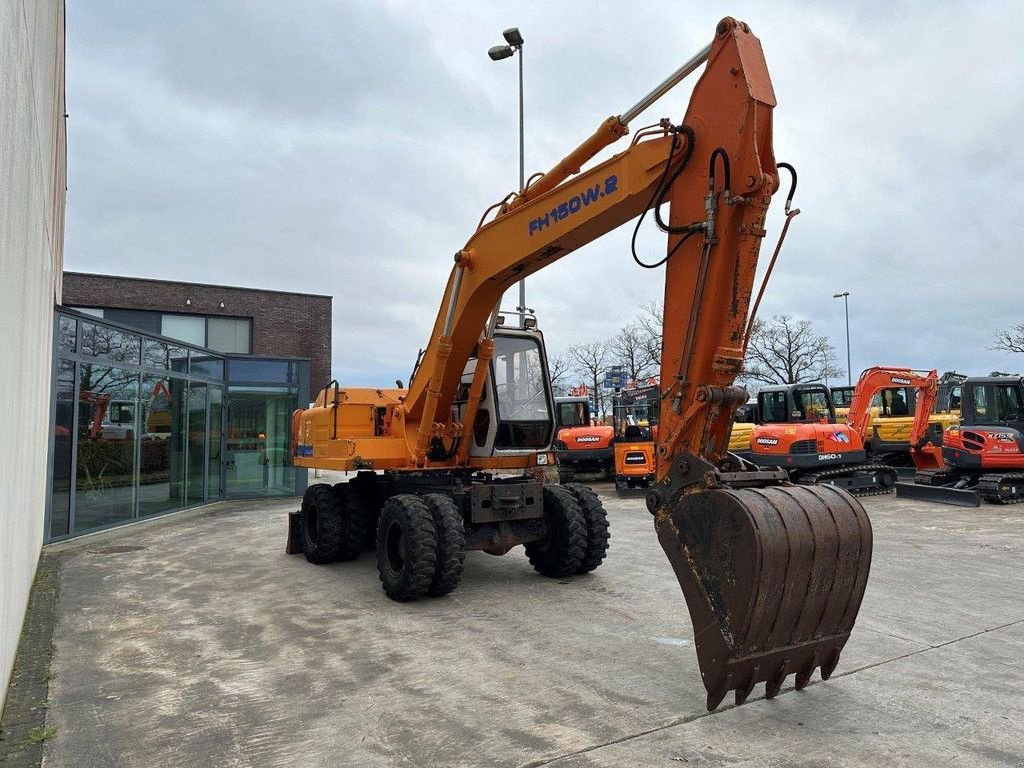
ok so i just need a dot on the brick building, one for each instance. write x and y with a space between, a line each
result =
222 318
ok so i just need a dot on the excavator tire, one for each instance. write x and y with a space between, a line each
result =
353 536
451 543
406 548
323 524
562 553
597 526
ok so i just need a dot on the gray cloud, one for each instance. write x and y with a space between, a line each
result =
349 149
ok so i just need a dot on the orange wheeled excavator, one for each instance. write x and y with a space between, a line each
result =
773 574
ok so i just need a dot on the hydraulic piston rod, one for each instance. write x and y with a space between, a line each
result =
666 85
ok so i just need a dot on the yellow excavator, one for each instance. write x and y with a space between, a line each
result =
773 574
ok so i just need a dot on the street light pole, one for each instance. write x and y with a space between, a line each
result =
498 52
845 296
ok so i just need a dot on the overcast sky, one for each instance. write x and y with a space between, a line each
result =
351 148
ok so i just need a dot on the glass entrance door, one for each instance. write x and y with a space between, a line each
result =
257 460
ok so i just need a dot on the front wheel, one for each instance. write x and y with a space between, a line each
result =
406 548
561 553
597 526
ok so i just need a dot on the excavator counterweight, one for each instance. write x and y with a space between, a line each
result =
773 574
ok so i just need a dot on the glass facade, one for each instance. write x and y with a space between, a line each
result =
143 425
231 335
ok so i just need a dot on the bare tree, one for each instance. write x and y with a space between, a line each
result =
648 324
630 349
590 360
1009 339
559 368
784 350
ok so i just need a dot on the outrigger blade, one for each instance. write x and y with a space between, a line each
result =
939 494
773 578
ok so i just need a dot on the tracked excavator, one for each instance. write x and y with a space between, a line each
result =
773 574
982 457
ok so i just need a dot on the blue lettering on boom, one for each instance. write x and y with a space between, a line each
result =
575 204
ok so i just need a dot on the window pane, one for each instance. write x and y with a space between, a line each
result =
63 427
259 371
196 442
228 334
66 334
207 367
519 380
136 318
88 311
214 447
104 341
178 358
187 328
107 428
154 354
162 469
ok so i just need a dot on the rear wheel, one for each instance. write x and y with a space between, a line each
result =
406 547
597 526
323 526
451 543
562 552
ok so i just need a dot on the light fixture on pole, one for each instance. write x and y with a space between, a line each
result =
845 296
497 53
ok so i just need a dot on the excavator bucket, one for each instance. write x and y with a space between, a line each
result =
773 578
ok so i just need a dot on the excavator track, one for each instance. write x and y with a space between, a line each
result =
857 480
1002 489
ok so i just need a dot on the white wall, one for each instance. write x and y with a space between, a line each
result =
32 174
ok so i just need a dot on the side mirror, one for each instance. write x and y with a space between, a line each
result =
795 416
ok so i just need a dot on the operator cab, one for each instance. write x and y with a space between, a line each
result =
796 404
993 400
842 397
635 414
572 412
516 410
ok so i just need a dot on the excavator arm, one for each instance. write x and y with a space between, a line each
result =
874 380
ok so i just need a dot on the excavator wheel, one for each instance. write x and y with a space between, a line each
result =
322 524
354 514
773 579
597 525
451 543
406 548
562 552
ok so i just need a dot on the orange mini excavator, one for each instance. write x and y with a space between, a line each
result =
773 574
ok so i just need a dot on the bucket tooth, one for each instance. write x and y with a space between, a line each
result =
829 666
773 686
715 698
773 579
745 690
802 679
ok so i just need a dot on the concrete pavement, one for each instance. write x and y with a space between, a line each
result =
198 642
